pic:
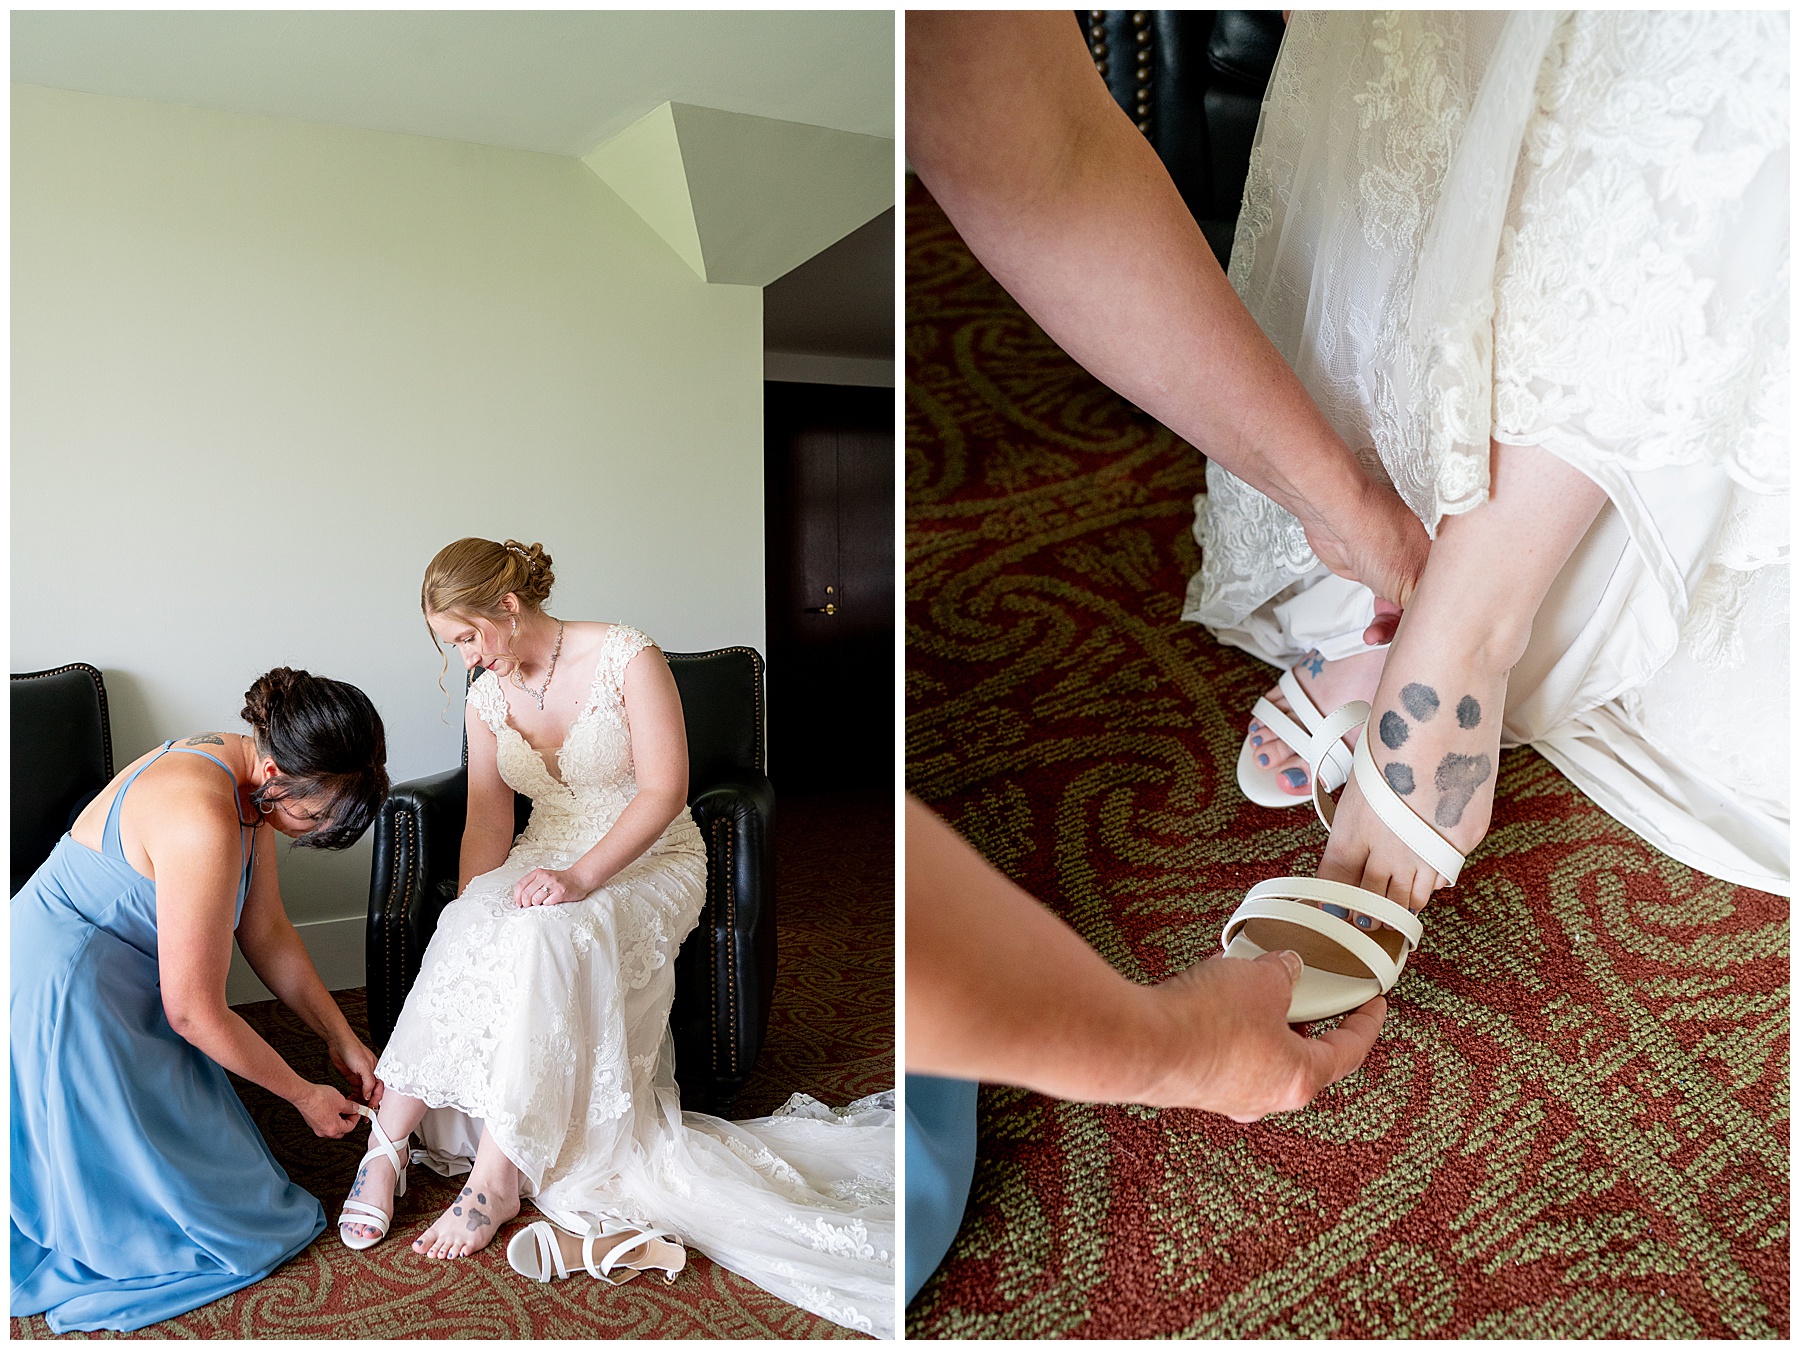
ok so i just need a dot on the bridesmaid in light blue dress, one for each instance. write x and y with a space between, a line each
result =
141 1188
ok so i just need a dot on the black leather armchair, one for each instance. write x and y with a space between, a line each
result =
1193 81
725 973
61 758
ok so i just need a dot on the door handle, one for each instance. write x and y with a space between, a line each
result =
821 609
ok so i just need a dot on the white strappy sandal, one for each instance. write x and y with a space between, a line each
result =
361 1213
1345 966
1327 757
536 1254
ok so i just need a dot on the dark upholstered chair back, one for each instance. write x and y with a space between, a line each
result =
721 702
61 757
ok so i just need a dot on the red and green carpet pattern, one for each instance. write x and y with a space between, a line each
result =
831 1034
1574 1123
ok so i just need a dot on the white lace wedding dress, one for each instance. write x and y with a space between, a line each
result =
549 1026
1567 230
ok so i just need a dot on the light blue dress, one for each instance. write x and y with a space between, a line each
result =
141 1188
940 1168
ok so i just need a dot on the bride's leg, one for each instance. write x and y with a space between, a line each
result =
375 1178
1438 709
489 1197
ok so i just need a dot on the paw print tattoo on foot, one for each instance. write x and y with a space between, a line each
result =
1421 700
1394 730
1457 776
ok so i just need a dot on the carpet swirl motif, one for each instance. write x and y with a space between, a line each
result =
1574 1123
831 1034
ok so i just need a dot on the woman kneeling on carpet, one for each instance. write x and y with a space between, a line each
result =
559 951
141 1188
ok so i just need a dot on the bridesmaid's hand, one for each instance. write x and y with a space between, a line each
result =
356 1062
329 1112
542 886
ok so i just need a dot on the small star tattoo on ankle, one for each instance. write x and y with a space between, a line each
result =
1315 665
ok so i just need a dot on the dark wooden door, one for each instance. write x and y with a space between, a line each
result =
829 466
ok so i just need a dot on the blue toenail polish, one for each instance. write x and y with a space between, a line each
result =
1256 740
1295 777
1263 760
1364 921
1336 911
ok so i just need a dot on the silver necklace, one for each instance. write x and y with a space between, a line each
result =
538 694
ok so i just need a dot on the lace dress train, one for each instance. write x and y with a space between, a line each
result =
1566 230
549 1026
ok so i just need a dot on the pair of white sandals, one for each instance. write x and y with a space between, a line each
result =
1345 966
534 1251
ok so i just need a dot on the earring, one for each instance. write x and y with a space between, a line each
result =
265 807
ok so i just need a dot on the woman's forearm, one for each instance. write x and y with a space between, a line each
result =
1069 208
639 825
281 961
483 849
1000 989
227 1039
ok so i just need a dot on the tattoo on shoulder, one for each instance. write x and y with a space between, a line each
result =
206 739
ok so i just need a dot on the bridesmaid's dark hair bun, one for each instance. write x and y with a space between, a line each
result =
327 741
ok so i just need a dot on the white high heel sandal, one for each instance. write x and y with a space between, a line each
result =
359 1212
1328 759
1345 966
536 1254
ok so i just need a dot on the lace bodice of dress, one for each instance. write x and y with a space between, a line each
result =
599 778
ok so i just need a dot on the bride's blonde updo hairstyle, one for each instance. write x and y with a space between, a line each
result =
472 576
327 741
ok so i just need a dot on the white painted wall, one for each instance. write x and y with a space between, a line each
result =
264 369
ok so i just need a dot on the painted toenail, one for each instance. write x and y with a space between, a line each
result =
1264 761
1256 740
1336 911
1295 777
1364 921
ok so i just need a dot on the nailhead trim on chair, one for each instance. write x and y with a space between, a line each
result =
731 962
394 917
756 693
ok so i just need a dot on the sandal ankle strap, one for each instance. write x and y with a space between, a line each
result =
379 1141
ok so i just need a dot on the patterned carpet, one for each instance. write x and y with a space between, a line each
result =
1575 1121
831 1034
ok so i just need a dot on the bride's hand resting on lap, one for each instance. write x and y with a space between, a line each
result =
543 886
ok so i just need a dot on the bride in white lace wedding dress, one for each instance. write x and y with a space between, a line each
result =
1474 231
535 1043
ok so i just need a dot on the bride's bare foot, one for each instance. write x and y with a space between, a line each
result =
485 1203
1330 685
1436 716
